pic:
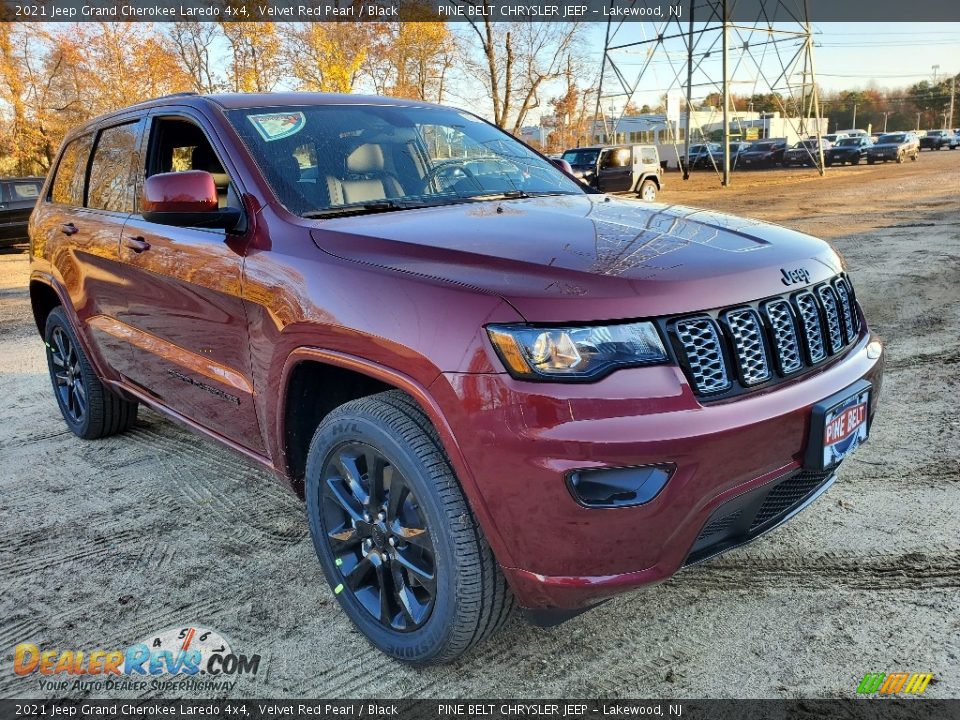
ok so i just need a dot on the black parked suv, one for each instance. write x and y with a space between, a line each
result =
17 198
939 139
766 153
848 150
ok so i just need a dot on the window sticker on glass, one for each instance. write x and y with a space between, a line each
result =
275 126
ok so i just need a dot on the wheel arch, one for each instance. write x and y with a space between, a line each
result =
372 378
43 299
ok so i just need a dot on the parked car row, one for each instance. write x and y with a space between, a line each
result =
840 148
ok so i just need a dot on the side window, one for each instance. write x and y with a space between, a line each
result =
616 158
24 190
111 181
71 172
177 144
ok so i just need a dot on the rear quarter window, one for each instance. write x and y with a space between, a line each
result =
71 172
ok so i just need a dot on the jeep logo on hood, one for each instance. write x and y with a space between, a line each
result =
795 276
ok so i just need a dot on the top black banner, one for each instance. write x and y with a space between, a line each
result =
751 12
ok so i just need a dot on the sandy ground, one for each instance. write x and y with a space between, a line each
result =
105 542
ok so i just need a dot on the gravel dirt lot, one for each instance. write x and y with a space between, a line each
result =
105 542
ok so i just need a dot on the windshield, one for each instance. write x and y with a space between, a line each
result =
892 139
808 144
763 147
581 157
334 159
848 142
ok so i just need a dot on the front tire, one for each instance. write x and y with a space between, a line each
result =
397 541
90 409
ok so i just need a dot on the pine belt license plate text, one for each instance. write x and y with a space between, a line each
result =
840 426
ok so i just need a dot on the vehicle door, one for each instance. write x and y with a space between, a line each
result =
17 198
616 170
184 316
78 228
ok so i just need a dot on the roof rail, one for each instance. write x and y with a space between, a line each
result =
173 95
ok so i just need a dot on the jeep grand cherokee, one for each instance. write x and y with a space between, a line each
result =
490 385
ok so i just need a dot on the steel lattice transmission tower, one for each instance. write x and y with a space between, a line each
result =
719 46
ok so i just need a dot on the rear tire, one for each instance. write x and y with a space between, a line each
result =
648 191
90 409
397 541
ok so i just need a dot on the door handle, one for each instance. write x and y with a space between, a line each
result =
69 229
137 244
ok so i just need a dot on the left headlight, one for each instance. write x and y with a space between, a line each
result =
575 353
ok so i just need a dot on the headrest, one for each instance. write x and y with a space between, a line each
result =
288 167
367 158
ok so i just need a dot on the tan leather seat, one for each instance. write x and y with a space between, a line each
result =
364 179
203 158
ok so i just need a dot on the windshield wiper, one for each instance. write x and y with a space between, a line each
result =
359 209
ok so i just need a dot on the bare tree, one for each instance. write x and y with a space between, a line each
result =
194 44
518 59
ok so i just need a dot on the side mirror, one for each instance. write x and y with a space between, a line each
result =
185 199
563 165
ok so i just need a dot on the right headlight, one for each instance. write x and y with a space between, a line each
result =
575 353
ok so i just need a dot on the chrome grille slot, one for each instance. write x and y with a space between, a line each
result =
812 331
704 355
786 344
747 336
832 313
847 311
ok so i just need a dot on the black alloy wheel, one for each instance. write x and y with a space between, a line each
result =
67 375
90 409
378 536
401 550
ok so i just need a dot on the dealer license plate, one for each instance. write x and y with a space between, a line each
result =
839 427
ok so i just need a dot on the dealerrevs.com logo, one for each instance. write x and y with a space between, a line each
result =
180 658
894 683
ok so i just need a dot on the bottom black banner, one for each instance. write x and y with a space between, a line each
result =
892 709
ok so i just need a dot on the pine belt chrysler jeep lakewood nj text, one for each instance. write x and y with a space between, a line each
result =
491 385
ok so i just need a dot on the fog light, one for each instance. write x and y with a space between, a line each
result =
874 349
618 487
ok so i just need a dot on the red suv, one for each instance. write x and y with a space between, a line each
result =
491 385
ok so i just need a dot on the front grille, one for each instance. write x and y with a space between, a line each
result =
732 350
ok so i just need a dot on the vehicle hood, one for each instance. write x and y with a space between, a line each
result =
886 146
583 257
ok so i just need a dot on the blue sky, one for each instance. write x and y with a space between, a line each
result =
847 56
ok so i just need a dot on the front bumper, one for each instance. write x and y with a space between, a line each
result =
521 441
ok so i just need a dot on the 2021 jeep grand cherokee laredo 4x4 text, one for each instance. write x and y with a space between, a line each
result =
490 385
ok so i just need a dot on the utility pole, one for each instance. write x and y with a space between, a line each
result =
885 114
918 121
953 92
853 126
726 97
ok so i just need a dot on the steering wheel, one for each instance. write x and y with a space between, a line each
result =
451 169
